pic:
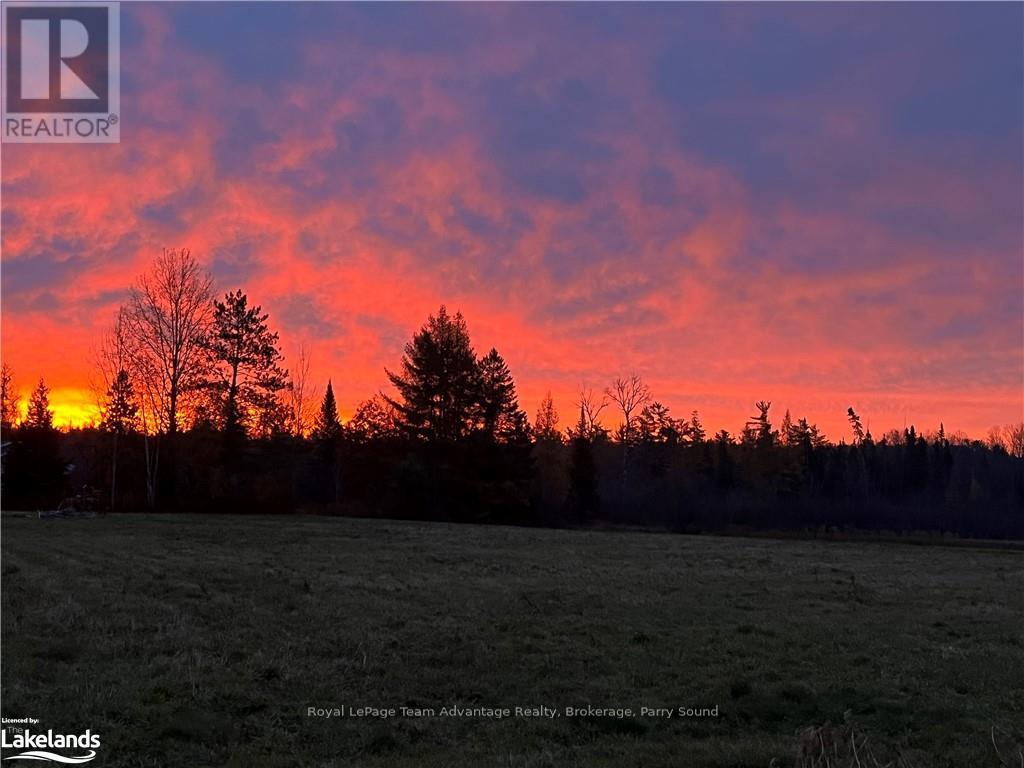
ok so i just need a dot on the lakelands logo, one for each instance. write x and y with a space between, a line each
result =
61 72
39 746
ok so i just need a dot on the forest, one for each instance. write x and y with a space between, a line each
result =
200 414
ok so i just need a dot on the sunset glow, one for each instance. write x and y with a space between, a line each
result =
818 206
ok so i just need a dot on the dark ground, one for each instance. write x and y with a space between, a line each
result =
202 640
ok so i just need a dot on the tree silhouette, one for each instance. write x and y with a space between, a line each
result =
8 399
300 396
545 426
806 434
590 411
439 380
34 469
247 364
656 425
327 426
166 322
855 425
631 395
758 430
374 419
787 432
39 415
500 416
695 429
120 417
326 434
583 498
1015 439
120 409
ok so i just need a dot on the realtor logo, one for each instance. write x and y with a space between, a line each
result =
61 72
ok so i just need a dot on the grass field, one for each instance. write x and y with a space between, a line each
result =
203 641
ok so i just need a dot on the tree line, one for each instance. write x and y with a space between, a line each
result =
198 412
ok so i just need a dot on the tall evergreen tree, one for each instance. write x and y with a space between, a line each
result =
855 425
656 425
807 435
33 469
758 430
39 415
121 410
120 417
500 416
247 360
439 380
327 425
326 431
696 429
583 497
786 431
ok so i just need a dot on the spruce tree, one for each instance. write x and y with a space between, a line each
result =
326 431
696 429
39 415
120 417
583 496
33 469
500 416
121 411
327 425
439 380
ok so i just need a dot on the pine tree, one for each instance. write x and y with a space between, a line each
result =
327 425
545 426
696 429
786 431
39 415
34 472
500 415
248 360
439 382
121 411
583 498
855 424
656 425
758 430
120 417
808 434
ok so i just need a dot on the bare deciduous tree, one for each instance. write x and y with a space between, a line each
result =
1014 434
630 395
301 397
164 324
8 399
168 315
590 411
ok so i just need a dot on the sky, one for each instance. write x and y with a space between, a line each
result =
819 205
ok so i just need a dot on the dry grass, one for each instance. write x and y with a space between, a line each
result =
843 746
200 641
